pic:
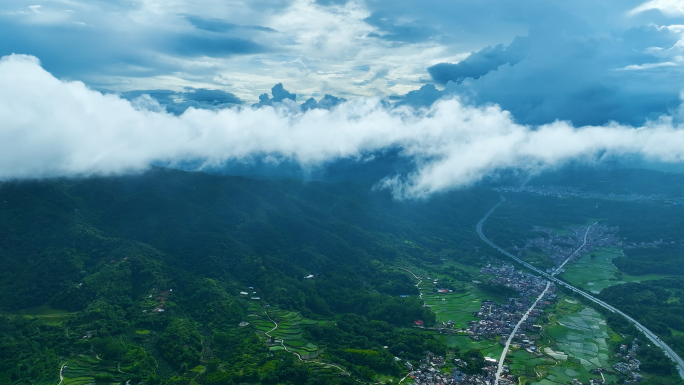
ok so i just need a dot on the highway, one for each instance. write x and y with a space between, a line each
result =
649 334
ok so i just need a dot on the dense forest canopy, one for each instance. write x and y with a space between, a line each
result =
103 248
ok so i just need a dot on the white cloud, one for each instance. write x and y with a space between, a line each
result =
312 50
647 66
332 42
55 128
668 7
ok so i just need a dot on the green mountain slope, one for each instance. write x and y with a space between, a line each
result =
146 272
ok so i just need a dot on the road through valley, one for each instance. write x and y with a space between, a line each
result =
649 334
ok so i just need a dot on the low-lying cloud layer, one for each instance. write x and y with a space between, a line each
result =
53 128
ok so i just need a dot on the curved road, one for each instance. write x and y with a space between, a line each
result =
420 280
61 376
282 343
649 334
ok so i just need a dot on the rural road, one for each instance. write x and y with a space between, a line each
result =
61 370
649 334
420 280
282 343
515 330
576 251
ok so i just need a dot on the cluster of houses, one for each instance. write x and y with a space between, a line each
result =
161 300
634 245
527 285
494 320
561 191
430 373
499 320
561 246
251 294
629 364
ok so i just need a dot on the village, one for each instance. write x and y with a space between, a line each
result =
629 364
559 247
562 191
430 373
496 322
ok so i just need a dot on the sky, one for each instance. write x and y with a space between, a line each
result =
460 87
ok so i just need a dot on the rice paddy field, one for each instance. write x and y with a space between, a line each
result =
289 329
47 314
288 335
577 343
526 365
598 273
489 348
84 370
457 307
573 343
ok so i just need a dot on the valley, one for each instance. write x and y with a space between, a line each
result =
189 278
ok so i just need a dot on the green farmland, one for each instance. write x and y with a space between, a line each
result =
47 314
597 273
84 370
577 341
289 329
457 307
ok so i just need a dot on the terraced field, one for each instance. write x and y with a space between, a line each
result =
556 375
47 314
289 329
84 370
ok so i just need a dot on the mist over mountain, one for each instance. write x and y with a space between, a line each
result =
67 129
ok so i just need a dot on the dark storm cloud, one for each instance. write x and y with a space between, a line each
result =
556 74
474 66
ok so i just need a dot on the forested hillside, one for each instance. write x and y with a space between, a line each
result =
145 273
